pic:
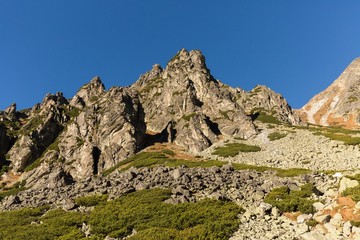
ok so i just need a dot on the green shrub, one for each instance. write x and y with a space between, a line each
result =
353 192
263 117
143 211
93 200
233 149
287 200
339 134
276 136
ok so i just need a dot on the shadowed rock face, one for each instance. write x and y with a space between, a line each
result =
97 129
338 104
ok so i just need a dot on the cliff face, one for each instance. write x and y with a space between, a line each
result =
182 104
338 104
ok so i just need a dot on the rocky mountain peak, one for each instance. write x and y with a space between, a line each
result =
54 99
11 110
338 104
89 93
188 62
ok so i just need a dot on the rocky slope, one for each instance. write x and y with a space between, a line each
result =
338 104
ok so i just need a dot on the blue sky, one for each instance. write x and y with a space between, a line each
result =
297 48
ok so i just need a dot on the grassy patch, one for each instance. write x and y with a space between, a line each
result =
143 211
93 200
339 134
168 152
276 136
233 149
287 200
291 172
353 192
346 139
265 118
152 159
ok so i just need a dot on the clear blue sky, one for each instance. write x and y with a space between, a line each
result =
297 48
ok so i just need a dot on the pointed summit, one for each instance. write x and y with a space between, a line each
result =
338 104
193 60
184 94
89 93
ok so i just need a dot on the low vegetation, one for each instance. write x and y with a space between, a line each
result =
143 211
291 172
92 200
287 200
233 149
152 159
265 118
354 192
348 137
276 136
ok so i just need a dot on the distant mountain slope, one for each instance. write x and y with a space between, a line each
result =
339 104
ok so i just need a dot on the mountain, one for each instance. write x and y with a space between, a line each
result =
337 105
176 135
96 129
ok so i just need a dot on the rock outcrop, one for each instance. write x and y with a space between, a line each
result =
263 99
338 104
